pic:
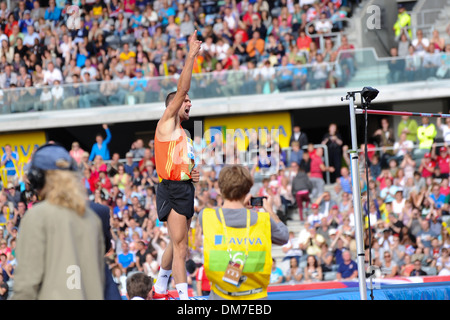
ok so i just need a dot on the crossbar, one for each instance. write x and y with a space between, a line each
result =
402 113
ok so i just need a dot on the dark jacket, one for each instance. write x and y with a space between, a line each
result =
301 182
111 291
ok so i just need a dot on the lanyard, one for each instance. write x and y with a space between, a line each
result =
226 237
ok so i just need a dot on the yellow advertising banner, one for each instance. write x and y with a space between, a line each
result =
241 127
23 143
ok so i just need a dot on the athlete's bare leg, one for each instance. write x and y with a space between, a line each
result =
174 257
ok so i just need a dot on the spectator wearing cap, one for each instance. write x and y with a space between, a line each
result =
426 134
427 166
129 164
42 257
25 21
315 217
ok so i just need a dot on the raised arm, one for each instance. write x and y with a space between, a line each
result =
168 119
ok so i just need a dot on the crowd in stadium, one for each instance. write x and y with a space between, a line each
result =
417 56
408 187
272 46
408 192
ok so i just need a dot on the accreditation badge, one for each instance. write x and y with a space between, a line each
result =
233 273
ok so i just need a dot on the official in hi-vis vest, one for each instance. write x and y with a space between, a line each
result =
237 239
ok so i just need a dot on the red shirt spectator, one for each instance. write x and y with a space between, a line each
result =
427 166
202 281
303 41
316 166
443 161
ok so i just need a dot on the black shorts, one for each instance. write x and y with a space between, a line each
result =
176 195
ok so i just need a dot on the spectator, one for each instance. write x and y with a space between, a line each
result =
10 161
313 271
301 190
126 260
445 128
347 58
396 67
426 134
294 274
139 286
298 135
348 269
52 13
443 263
420 43
325 203
52 74
101 146
255 47
389 268
57 92
8 78
404 42
403 22
317 168
417 271
276 277
334 142
296 154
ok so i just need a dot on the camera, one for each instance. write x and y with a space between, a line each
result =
257 201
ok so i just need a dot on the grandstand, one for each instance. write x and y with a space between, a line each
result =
49 90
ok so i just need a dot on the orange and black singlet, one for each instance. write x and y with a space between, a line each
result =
174 159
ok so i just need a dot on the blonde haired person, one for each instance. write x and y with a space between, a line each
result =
60 246
239 235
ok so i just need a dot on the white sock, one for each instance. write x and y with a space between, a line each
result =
162 281
182 289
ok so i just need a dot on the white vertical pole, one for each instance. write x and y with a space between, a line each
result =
357 203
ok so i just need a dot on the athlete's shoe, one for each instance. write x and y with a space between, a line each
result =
162 296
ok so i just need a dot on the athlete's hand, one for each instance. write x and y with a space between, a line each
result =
195 175
194 45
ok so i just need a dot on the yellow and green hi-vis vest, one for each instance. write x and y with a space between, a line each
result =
219 244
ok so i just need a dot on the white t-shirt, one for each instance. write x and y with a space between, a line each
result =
57 92
51 76
397 207
445 132
267 73
403 147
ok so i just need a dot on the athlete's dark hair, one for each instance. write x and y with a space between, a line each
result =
170 97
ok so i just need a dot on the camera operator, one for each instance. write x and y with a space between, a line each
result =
237 242
60 245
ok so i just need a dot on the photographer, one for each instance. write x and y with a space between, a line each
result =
237 253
